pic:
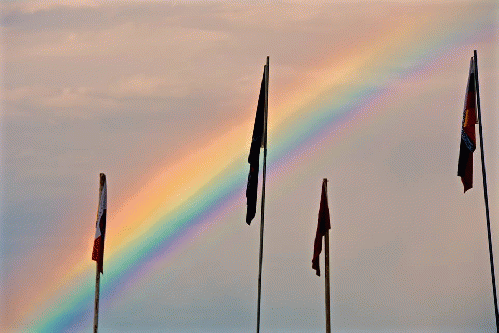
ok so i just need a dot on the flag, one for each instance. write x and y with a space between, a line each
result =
100 225
254 154
323 225
468 140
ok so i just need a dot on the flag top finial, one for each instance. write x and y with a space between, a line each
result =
102 178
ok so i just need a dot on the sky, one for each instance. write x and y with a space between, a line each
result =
161 97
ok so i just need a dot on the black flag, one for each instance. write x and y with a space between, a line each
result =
254 155
323 226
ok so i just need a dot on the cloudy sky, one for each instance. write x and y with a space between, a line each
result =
161 97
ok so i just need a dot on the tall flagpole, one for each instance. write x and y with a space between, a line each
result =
323 226
326 277
485 195
266 109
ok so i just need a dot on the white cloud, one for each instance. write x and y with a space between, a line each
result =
142 85
137 85
129 39
25 93
72 97
50 97
32 7
35 6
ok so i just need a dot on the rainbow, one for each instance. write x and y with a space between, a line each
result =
180 206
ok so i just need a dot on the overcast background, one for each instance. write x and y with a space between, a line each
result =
366 93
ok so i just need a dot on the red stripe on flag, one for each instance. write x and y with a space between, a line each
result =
97 253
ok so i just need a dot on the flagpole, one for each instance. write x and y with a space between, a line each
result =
326 277
262 219
97 290
485 195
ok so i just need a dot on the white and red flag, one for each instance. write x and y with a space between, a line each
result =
100 225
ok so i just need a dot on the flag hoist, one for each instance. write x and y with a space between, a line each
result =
472 114
98 250
258 141
323 226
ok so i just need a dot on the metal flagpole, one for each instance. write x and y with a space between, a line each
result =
263 194
97 289
326 277
485 195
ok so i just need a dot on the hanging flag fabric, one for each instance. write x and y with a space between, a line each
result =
254 155
323 225
468 140
100 225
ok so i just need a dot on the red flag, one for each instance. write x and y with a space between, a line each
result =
100 225
468 140
323 225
